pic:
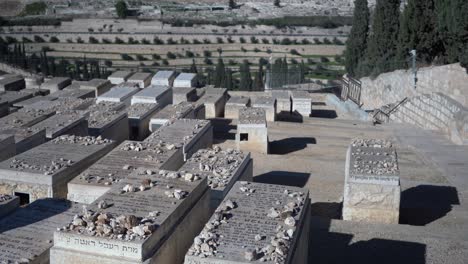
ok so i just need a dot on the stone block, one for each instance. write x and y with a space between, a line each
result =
234 104
62 104
264 223
170 113
121 94
118 164
4 108
183 94
252 131
214 105
13 97
7 146
35 99
139 116
36 91
8 204
44 171
12 83
99 86
109 124
25 118
25 138
119 77
75 93
283 101
302 103
161 95
186 80
56 84
164 78
143 79
268 104
188 134
69 123
372 182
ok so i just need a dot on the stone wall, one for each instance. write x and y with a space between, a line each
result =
393 87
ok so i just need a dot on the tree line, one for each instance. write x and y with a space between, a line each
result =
378 43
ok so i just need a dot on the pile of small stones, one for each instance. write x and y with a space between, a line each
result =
101 117
102 224
85 141
372 143
5 197
55 165
155 147
380 161
252 115
138 110
108 180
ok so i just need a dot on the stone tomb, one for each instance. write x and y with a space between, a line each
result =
214 105
67 123
258 223
26 118
62 104
372 182
56 84
13 97
224 168
186 80
8 204
23 103
7 146
4 108
164 78
119 77
301 103
45 170
161 95
183 94
252 131
143 79
122 94
25 138
233 105
109 120
139 116
283 101
99 86
12 83
152 219
172 112
118 164
26 235
268 104
188 134
72 92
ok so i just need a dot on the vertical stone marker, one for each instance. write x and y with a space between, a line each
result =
7 147
234 104
188 134
302 103
8 204
161 95
44 171
56 84
26 234
372 182
165 78
117 166
224 168
139 116
143 219
119 77
143 79
252 131
268 104
256 223
186 80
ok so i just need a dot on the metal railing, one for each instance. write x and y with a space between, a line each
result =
384 117
351 89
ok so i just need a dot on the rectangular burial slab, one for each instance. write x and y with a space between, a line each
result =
252 131
119 94
75 93
152 224
302 102
67 123
12 83
372 182
186 80
106 122
118 164
99 86
35 99
119 77
8 204
56 84
165 78
26 235
188 134
7 146
139 116
233 105
44 171
63 104
224 168
170 113
25 138
184 94
143 79
153 94
214 105
283 101
36 91
267 103
256 223
26 118
13 97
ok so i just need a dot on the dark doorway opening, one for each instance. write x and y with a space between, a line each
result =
24 198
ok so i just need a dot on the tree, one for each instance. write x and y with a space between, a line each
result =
193 67
258 83
121 8
229 84
357 41
382 48
220 74
277 3
232 4
245 77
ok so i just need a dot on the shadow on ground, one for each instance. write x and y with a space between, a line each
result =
288 178
327 247
424 204
223 130
290 145
323 113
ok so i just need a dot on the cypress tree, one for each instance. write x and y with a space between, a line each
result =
357 41
228 81
245 77
220 73
258 83
193 67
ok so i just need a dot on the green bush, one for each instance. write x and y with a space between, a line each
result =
242 40
207 53
34 9
327 41
93 40
118 41
158 41
171 55
294 52
141 57
219 40
265 41
156 57
36 39
54 39
126 57
189 54
253 40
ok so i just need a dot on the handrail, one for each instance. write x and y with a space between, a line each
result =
387 114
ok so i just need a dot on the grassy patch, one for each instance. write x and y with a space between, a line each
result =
34 9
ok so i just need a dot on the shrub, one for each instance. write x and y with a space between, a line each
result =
189 54
286 41
305 41
327 41
171 55
207 61
69 40
158 41
165 62
196 41
317 41
269 51
242 40
90 30
206 41
253 40
79 40
170 41
219 40
126 57
156 57
141 57
265 41
207 53
232 62
243 49
324 59
294 52
132 41
26 40
36 39
145 41
118 41
257 50
106 41
54 39
230 40
93 40
337 41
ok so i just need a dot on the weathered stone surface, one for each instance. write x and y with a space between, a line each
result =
25 138
69 123
72 92
99 86
25 118
27 233
109 120
214 105
56 84
7 146
186 80
165 78
252 131
122 94
139 116
8 204
268 104
63 104
183 94
372 184
12 83
255 223
170 113
301 102
188 134
233 105
283 101
143 79
118 164
44 171
12 97
29 101
119 77
153 94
